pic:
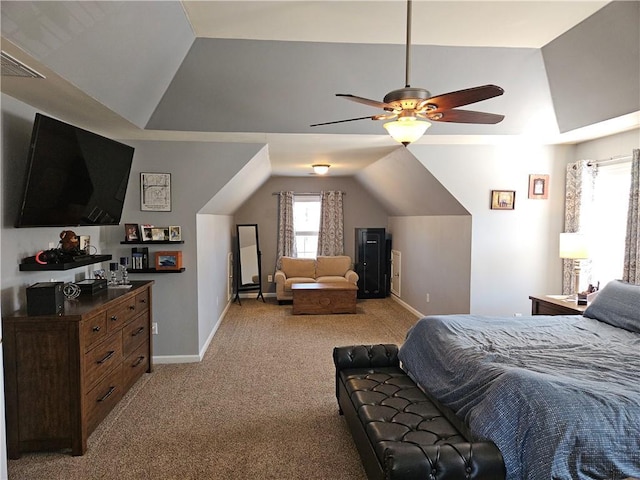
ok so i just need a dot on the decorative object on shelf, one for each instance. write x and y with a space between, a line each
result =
139 258
574 247
169 260
131 232
175 233
503 199
155 192
539 186
113 269
146 233
100 274
71 290
160 234
124 263
69 241
84 242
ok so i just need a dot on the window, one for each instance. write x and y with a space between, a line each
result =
306 224
606 222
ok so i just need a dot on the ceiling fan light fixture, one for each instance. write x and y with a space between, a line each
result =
406 129
320 168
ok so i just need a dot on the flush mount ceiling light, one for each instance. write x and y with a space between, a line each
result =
320 168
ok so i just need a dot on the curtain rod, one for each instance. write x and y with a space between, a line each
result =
614 159
308 193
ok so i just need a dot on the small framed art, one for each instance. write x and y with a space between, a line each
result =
131 232
539 186
503 199
175 233
159 234
146 232
169 260
155 192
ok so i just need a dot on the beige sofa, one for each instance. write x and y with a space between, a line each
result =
308 270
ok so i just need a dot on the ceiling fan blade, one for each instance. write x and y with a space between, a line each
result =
366 101
371 117
450 100
465 116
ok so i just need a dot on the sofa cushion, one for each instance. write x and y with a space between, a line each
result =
332 266
290 281
299 267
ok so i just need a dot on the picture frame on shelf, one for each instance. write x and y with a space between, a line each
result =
503 199
169 260
131 232
175 233
147 233
155 192
539 186
159 234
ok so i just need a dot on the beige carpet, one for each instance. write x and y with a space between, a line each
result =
261 405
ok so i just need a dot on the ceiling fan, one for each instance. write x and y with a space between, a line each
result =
409 105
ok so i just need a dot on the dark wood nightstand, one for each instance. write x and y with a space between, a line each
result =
555 305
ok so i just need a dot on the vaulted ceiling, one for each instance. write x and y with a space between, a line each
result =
262 72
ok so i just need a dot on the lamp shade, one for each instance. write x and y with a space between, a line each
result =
574 245
406 129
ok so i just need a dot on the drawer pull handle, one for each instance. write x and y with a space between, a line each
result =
106 357
143 300
96 328
132 307
139 360
114 318
108 394
138 332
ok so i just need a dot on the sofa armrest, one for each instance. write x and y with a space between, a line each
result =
352 277
279 276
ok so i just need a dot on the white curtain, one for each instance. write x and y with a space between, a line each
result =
631 272
286 232
579 199
331 231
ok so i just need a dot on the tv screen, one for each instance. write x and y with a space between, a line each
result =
74 177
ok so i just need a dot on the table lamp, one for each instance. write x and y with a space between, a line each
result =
574 246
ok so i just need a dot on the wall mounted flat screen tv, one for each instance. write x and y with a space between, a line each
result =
74 177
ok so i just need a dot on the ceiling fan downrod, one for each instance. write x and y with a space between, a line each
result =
407 60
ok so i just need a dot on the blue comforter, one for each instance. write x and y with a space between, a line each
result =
558 395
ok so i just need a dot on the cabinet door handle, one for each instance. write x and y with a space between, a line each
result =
139 360
138 332
107 395
106 357
96 328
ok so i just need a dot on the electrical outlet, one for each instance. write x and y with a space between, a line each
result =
269 278
428 298
517 314
154 328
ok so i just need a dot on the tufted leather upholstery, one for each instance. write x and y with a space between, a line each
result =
399 431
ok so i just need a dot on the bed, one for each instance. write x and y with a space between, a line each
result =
558 395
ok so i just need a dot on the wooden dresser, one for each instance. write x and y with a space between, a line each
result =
63 374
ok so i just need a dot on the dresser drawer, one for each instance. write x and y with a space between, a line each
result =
120 314
135 365
142 301
94 330
101 359
134 333
103 397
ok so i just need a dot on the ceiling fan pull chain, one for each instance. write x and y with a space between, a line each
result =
408 45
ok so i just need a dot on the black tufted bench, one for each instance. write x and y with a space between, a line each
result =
399 431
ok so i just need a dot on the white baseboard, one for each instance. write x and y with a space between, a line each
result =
407 306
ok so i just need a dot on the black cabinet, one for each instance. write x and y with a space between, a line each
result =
373 248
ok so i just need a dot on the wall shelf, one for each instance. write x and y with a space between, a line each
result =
37 267
153 270
151 242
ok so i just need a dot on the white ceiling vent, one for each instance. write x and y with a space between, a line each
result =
12 67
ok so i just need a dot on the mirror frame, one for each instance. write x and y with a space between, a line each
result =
239 285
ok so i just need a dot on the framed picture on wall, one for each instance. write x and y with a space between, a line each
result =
155 192
539 186
503 199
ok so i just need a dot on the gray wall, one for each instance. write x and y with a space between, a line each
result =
360 210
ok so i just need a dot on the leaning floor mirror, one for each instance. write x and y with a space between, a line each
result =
248 274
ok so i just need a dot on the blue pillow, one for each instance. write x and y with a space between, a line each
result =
617 304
